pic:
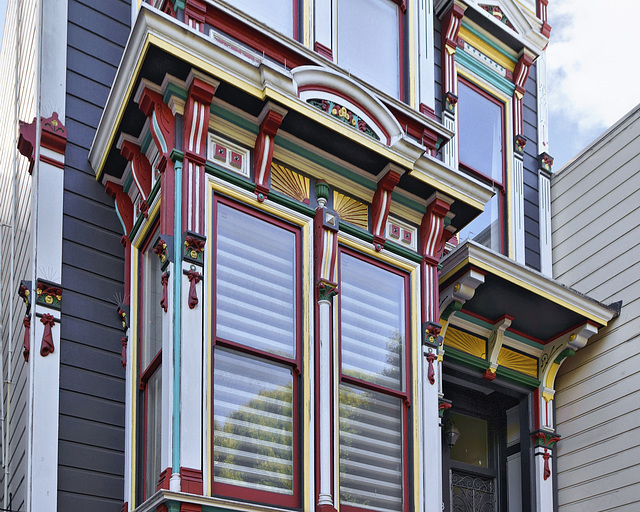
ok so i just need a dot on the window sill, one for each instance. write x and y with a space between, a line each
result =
164 497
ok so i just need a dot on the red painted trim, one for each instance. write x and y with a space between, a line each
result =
415 128
268 128
294 364
191 480
253 38
340 94
195 10
140 167
125 507
51 161
428 111
53 134
163 480
321 49
380 212
190 507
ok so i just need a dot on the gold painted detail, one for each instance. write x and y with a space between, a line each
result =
518 362
488 53
351 210
290 183
551 376
466 342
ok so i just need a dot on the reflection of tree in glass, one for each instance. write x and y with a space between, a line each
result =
254 444
371 439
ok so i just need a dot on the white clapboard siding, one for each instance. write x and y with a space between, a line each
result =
596 244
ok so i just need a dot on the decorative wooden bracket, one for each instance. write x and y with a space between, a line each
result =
520 75
161 123
47 347
270 120
193 248
545 441
48 294
450 26
326 223
164 301
123 313
545 161
194 278
25 293
542 14
123 204
140 167
382 201
163 248
494 344
53 136
431 339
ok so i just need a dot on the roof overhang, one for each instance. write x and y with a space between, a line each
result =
542 309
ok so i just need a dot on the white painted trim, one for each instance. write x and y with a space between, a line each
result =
323 25
546 245
517 222
325 390
166 434
543 103
426 54
431 437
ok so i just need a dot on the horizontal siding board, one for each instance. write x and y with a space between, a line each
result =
81 306
90 358
91 383
105 26
91 432
88 260
91 457
83 111
82 38
76 160
89 483
80 330
82 183
72 501
93 408
97 214
100 240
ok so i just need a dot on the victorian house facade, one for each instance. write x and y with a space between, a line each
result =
285 255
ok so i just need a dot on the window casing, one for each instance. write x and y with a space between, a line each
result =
373 388
371 47
150 368
281 15
256 356
481 151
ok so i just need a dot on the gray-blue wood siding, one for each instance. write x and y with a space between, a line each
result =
531 199
92 387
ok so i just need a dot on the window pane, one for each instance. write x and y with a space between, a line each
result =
370 449
480 132
277 14
472 446
153 392
255 282
371 323
151 310
253 423
369 42
485 229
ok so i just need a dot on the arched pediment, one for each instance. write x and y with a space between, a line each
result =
346 101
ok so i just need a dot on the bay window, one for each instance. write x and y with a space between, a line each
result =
282 15
150 370
256 356
373 390
481 148
370 43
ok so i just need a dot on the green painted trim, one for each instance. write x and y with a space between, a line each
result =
234 179
154 191
136 227
417 206
491 43
486 325
402 251
292 204
174 90
176 155
178 5
240 122
144 145
485 73
356 178
517 377
466 359
357 232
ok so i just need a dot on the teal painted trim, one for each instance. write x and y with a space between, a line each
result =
417 206
230 177
356 178
177 313
163 143
174 90
357 232
466 359
177 156
178 5
517 377
292 204
144 145
491 43
235 119
402 251
485 73
510 334
127 183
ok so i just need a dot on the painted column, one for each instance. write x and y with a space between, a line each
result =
325 254
544 195
433 237
45 151
450 25
520 76
545 436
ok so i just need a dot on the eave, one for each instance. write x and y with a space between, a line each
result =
542 308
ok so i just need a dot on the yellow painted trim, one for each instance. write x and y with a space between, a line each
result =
146 226
508 137
208 339
486 49
368 250
305 229
547 396
306 36
492 270
517 361
465 342
551 376
133 351
447 190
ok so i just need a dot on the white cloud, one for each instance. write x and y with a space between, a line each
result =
591 69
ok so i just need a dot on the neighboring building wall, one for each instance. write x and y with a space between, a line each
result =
596 239
17 102
91 445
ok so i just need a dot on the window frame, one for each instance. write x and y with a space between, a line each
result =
295 364
152 368
500 187
407 380
402 50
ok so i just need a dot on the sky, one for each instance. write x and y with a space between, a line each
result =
592 74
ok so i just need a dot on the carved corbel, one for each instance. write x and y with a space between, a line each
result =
431 340
494 344
326 223
450 25
25 293
140 167
388 179
161 122
123 314
270 120
520 75
544 443
193 248
163 248
456 294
